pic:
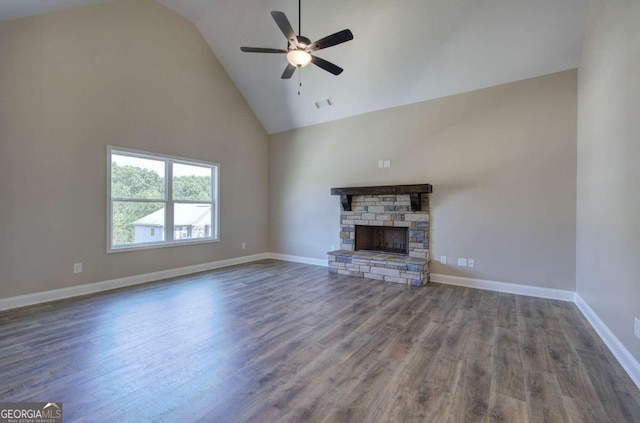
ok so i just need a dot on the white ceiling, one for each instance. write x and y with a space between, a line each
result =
404 51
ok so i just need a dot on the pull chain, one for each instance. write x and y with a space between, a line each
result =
299 33
299 17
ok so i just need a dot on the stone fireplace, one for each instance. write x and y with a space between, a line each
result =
384 233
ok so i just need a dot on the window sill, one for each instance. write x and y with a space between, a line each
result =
161 245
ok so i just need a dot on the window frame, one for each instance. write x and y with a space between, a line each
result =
168 200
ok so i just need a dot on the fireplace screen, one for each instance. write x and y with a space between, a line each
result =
382 238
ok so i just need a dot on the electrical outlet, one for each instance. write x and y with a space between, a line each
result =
471 263
443 259
636 327
243 245
462 262
77 267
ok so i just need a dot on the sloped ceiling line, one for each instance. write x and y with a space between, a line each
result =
403 51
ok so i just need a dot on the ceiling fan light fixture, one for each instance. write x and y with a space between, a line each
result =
299 58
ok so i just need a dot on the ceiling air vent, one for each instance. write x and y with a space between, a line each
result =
324 103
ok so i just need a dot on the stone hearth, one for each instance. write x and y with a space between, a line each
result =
384 210
383 267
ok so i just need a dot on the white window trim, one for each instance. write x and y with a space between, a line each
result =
215 197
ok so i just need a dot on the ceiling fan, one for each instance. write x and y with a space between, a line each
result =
299 48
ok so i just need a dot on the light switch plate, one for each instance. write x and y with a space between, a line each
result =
462 262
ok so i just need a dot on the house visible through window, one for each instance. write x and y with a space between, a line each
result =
157 200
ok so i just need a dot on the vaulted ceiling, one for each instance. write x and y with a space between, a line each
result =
404 51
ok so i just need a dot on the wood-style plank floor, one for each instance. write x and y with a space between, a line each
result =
281 342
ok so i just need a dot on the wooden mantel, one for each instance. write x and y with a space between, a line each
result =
414 192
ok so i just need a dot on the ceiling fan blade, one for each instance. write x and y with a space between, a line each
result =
285 27
328 66
332 40
288 71
262 50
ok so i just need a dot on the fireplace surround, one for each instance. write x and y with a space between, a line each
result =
391 214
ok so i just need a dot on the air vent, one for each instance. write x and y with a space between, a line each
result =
324 103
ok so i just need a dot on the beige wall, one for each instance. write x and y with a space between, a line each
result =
608 204
131 74
502 162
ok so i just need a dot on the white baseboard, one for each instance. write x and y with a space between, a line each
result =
91 288
299 259
627 361
510 288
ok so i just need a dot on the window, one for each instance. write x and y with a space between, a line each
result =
157 200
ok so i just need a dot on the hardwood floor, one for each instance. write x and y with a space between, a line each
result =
277 342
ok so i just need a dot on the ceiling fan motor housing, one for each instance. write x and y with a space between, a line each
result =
303 43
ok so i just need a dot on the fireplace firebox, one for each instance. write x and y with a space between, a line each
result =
385 239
